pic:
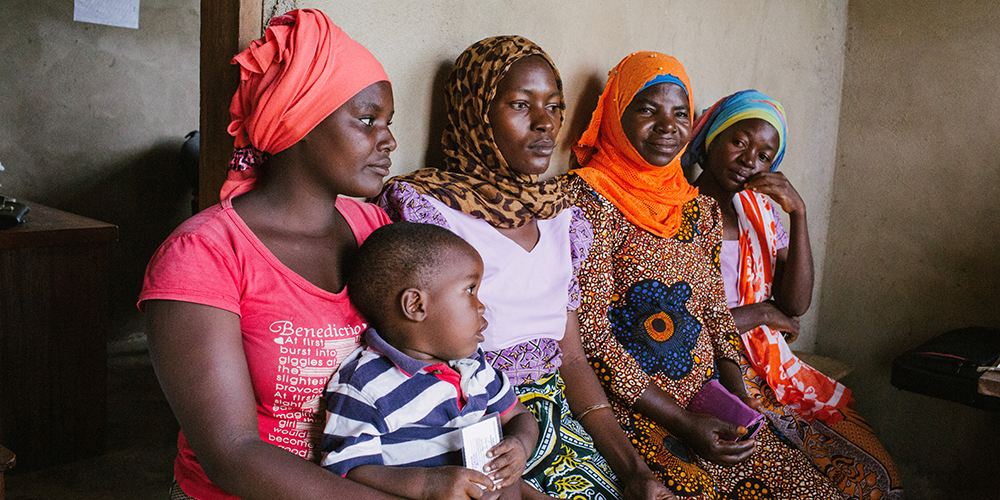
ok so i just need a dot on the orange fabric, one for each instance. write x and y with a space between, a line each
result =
649 196
803 388
303 69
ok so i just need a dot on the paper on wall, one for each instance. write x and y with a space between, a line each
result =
122 13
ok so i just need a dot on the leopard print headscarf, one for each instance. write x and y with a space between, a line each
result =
475 178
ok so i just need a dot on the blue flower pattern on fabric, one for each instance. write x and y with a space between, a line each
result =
654 325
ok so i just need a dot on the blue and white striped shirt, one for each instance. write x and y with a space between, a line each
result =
386 408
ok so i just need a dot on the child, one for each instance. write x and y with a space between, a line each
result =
395 408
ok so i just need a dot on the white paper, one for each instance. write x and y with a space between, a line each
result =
122 13
479 438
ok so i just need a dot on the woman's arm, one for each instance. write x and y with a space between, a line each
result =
793 273
766 313
452 482
584 391
197 352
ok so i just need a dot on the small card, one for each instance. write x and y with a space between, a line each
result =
479 438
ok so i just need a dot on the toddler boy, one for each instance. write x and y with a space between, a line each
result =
395 408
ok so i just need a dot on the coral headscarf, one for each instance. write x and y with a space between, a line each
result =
648 196
742 105
303 69
475 178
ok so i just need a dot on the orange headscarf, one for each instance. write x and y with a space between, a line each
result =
648 196
303 69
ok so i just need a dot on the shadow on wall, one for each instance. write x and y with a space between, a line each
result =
438 116
577 122
147 196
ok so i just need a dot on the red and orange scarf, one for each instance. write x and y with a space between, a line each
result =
810 393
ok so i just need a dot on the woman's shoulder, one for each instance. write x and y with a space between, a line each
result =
588 199
360 212
401 201
218 225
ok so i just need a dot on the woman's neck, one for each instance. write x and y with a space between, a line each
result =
526 236
730 221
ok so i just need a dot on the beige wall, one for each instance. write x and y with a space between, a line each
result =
91 118
791 50
914 240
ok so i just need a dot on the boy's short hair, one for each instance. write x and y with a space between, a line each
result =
393 258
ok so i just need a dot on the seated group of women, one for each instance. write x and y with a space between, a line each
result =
611 292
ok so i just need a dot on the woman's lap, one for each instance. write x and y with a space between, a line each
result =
848 452
566 463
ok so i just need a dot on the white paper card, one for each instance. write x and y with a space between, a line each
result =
479 438
122 13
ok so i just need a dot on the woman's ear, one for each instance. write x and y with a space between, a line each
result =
412 303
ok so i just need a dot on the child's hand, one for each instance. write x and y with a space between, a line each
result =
509 459
454 482
777 187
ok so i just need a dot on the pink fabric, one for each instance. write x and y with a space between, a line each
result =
524 292
295 334
810 393
303 69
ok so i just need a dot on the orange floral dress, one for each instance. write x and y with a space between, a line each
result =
653 310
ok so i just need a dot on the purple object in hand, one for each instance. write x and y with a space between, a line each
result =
716 400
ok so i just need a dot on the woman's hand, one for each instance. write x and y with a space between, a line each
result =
710 437
777 187
731 377
715 440
768 314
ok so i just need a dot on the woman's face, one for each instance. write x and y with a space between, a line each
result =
658 122
526 115
745 148
352 145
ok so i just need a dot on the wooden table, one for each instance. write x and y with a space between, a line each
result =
54 315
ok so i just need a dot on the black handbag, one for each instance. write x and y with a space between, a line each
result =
949 366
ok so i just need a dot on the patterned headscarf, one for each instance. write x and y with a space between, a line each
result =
648 196
475 178
303 69
742 105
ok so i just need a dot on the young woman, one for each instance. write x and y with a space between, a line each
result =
653 316
768 276
505 109
247 314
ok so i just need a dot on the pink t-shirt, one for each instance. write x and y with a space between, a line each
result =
295 334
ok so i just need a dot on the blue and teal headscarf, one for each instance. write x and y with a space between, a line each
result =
742 105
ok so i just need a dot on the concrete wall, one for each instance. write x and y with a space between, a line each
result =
99 112
91 121
913 242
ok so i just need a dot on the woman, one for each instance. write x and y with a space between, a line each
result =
653 316
505 109
768 276
247 315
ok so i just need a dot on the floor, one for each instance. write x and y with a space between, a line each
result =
142 434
